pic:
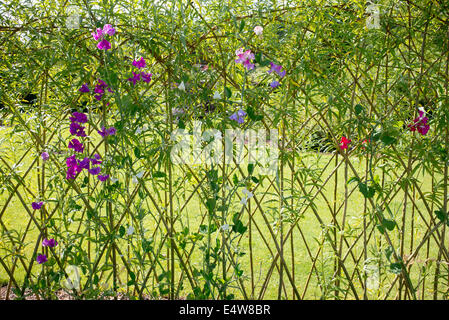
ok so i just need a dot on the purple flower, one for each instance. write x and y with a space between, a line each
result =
107 132
77 130
276 68
104 45
78 117
72 172
94 171
71 161
108 29
140 64
238 116
134 78
76 145
103 177
42 258
37 205
49 243
146 77
96 159
84 164
84 88
275 84
45 156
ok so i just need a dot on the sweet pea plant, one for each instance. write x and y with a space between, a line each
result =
93 204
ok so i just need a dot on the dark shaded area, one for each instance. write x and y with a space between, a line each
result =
319 141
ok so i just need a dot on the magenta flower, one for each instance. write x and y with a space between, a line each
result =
344 143
103 177
49 243
78 117
275 84
42 258
71 161
146 77
104 45
98 34
84 88
76 145
37 205
140 64
45 156
420 124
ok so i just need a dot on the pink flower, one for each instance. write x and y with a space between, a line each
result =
344 143
258 30
108 29
245 58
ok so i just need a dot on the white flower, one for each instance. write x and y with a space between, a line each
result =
258 30
138 175
225 227
247 193
130 230
139 130
114 180
217 95
244 201
238 51
373 20
182 86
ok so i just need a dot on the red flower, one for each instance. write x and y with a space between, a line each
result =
344 143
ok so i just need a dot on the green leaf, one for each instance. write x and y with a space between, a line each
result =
358 109
159 174
396 268
367 191
137 152
121 231
388 224
228 92
239 227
